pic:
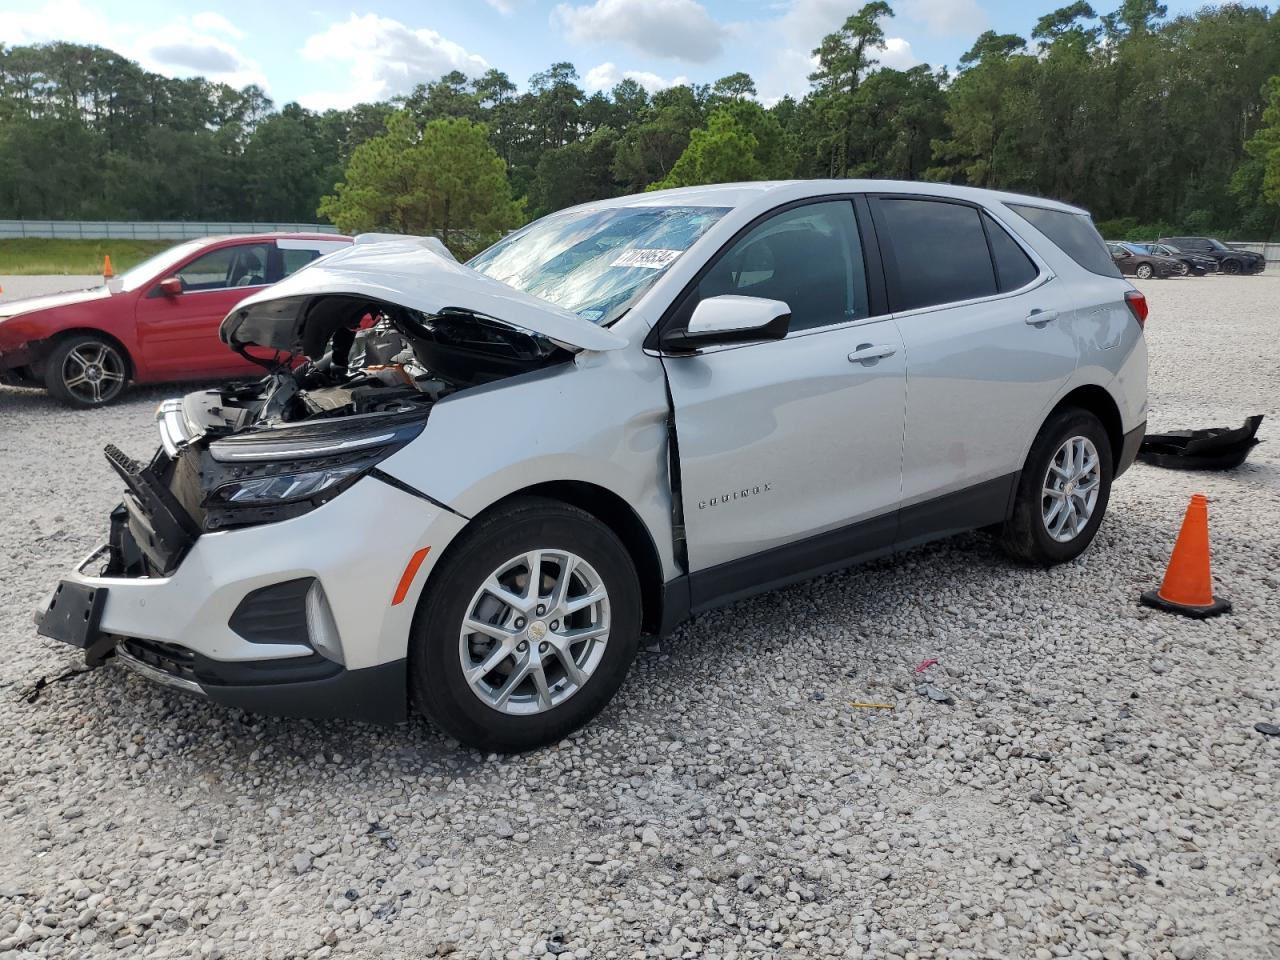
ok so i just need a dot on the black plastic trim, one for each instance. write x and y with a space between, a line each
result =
974 507
375 694
1129 448
274 614
399 484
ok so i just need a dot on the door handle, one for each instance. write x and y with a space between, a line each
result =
1038 317
868 353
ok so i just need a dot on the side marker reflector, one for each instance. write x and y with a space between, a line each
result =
410 571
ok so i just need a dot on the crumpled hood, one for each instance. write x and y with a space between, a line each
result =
412 272
29 304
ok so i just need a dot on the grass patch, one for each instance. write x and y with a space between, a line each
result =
27 256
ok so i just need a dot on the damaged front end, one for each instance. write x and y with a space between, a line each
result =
361 347
262 452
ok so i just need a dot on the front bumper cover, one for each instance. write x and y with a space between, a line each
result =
175 628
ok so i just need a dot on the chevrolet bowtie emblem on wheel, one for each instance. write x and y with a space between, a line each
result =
736 495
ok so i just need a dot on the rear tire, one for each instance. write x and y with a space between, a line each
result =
559 692
1035 533
85 371
1143 272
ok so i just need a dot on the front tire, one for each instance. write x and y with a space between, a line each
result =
1231 267
1063 490
85 370
504 660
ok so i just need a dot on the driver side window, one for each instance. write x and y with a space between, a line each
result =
810 257
241 266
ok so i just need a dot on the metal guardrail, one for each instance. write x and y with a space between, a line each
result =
147 229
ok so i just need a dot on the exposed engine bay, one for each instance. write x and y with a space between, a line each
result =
364 357
259 452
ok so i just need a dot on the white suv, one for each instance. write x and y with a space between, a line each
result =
487 481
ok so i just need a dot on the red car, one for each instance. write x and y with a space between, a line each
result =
157 322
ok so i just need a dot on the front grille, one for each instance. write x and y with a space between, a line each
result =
173 660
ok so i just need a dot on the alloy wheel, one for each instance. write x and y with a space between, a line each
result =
93 372
1143 272
535 632
1070 490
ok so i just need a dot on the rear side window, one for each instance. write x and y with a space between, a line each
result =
295 259
939 251
1014 269
1073 234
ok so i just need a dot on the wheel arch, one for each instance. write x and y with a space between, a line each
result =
620 517
1101 404
49 344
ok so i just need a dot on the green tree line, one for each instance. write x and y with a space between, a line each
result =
1152 123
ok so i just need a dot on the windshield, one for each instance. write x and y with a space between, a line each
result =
1218 245
596 262
1168 248
152 267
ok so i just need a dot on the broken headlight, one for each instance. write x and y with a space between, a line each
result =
261 478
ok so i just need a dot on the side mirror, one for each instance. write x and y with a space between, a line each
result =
731 319
171 287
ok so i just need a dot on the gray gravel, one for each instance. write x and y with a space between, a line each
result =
1096 789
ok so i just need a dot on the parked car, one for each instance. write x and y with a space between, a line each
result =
1229 260
1192 263
1134 260
156 322
624 414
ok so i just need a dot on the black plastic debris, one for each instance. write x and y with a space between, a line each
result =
1217 448
1267 729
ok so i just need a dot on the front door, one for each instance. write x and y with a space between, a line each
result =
178 333
790 450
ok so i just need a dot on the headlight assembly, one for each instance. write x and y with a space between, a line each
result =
277 474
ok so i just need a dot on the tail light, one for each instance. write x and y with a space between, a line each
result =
1137 304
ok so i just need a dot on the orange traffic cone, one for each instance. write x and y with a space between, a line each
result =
1188 585
107 272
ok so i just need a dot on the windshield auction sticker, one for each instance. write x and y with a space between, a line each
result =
650 257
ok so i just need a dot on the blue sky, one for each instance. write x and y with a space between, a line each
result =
325 53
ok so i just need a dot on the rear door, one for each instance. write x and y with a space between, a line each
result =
988 342
790 450
178 333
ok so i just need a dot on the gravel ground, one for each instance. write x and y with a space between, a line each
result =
1096 789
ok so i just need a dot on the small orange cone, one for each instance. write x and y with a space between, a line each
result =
1188 585
107 272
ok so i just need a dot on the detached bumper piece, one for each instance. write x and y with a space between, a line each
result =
160 528
1216 448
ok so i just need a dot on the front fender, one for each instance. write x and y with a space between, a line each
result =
599 418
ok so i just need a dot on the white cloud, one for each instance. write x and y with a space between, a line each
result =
504 7
55 20
216 23
947 17
673 29
606 76
795 34
182 47
897 54
385 58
